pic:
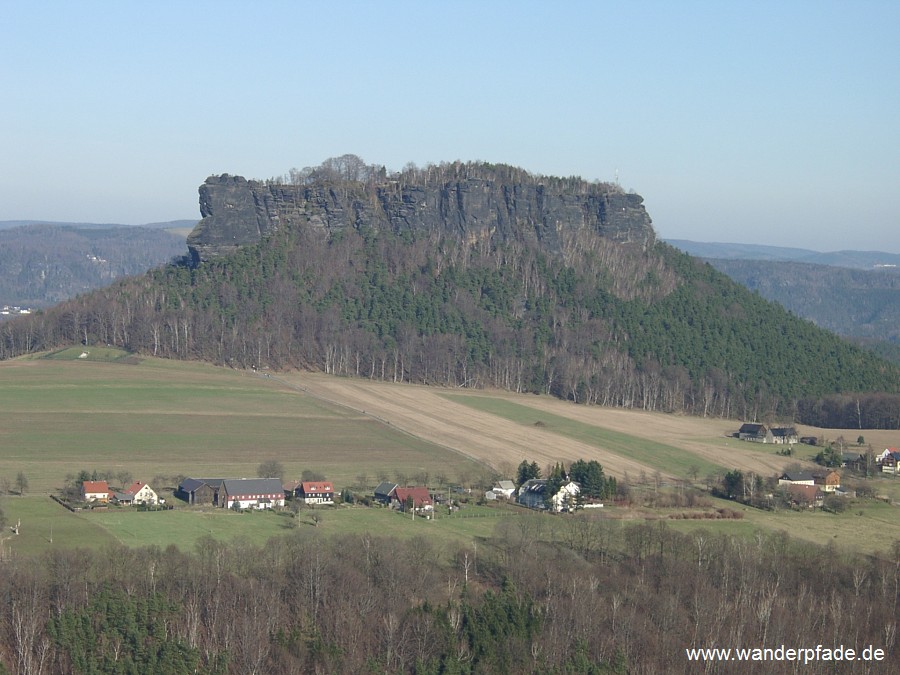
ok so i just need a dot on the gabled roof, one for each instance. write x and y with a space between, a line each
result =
94 486
191 484
796 476
536 485
252 486
419 495
752 429
385 488
809 492
134 488
316 486
784 431
506 485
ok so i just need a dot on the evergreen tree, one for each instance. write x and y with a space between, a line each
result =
590 478
526 472
557 478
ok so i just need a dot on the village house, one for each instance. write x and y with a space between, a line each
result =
827 481
785 435
805 495
503 489
890 462
755 433
95 491
251 493
796 478
853 460
315 492
137 493
880 457
383 492
418 497
533 494
200 491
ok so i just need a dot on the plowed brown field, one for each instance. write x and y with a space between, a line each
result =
431 414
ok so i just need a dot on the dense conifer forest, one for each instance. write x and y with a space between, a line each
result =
595 321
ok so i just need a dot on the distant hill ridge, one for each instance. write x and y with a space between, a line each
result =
43 264
864 260
472 275
167 225
856 294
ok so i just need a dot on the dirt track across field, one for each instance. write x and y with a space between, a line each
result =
427 413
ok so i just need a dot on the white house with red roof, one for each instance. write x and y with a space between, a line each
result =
315 492
420 499
95 491
138 493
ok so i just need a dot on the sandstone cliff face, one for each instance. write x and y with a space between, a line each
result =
237 212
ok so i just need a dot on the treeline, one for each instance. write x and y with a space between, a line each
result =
350 170
579 595
603 323
860 411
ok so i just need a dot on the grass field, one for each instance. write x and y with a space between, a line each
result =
160 419
46 525
166 419
867 527
666 458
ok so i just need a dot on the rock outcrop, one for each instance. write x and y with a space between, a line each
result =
237 212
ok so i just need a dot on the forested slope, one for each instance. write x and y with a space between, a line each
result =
43 264
572 303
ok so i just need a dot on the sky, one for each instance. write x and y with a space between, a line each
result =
764 122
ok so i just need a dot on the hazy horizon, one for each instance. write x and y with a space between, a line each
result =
771 123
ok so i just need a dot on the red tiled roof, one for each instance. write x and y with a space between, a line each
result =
316 486
93 486
419 494
804 492
134 488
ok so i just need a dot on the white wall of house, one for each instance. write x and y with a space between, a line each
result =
145 495
319 499
566 496
254 501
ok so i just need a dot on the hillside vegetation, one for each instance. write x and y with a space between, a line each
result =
43 264
364 589
598 313
852 303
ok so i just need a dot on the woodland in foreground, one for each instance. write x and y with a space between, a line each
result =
578 594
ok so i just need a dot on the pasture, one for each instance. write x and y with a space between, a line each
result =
164 419
666 458
47 525
159 420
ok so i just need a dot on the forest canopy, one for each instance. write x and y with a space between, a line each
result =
589 319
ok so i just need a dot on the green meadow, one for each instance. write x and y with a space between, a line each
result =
158 420
667 458
47 525
163 419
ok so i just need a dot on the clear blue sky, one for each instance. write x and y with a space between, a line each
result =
764 122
